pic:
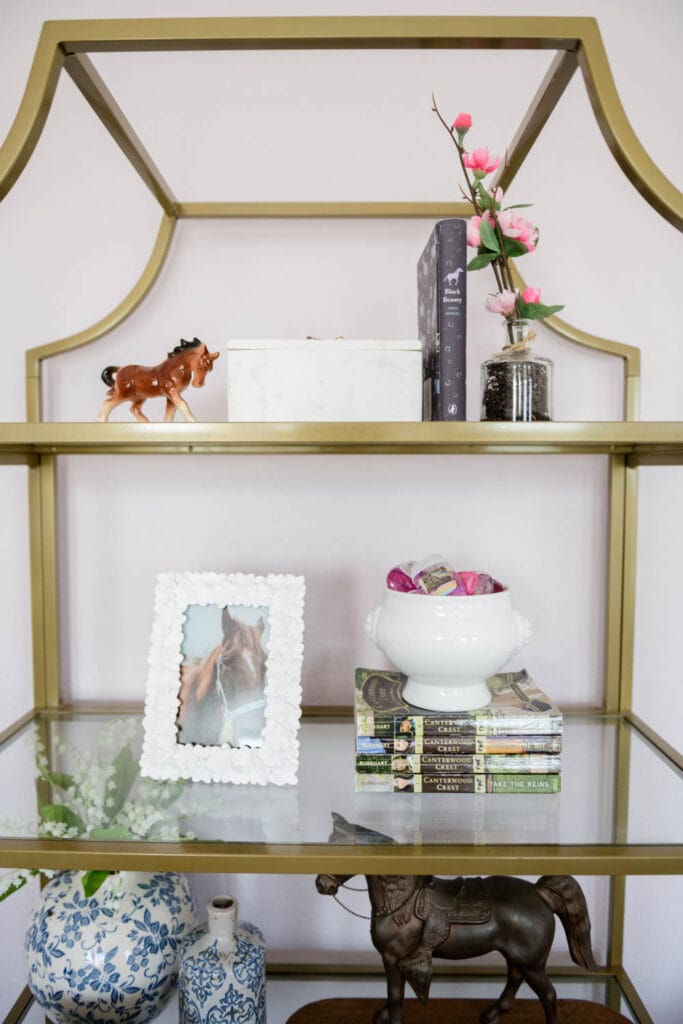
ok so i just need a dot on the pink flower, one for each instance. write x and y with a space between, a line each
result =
473 230
503 303
514 226
462 123
531 294
480 162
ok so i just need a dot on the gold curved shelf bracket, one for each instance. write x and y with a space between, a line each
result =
33 109
629 353
616 129
142 287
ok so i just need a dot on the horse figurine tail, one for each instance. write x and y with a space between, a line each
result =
108 375
564 896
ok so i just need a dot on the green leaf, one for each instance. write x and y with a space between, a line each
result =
515 248
537 311
482 260
519 206
489 238
112 832
485 198
125 773
93 880
61 780
60 813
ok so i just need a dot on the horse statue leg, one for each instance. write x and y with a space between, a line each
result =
136 409
179 402
392 1011
109 405
493 1013
170 411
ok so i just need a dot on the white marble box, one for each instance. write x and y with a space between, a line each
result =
305 379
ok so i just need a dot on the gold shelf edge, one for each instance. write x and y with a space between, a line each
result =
665 748
323 208
20 1007
631 995
17 725
297 859
340 31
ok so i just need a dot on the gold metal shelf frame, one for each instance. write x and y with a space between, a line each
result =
578 45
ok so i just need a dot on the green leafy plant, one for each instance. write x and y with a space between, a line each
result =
102 797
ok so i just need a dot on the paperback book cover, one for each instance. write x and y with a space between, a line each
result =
518 706
441 318
459 764
463 743
388 782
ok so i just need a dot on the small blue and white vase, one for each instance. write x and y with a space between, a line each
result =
111 957
222 971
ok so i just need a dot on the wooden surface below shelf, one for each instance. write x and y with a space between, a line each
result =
453 1011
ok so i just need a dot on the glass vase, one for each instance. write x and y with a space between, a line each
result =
516 384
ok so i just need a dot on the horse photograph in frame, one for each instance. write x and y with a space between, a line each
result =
223 699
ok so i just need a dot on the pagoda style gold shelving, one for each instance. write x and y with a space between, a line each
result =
65 46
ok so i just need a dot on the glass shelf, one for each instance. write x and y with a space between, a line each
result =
607 818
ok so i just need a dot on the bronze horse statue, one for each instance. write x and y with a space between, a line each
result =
190 361
415 917
223 699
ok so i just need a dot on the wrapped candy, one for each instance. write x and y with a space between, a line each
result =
434 575
401 578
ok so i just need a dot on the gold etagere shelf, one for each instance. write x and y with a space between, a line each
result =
627 444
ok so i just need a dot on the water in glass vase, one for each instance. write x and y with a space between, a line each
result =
516 384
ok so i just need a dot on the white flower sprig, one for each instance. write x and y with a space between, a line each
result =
100 797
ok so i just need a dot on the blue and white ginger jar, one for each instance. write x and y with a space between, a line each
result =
108 957
222 971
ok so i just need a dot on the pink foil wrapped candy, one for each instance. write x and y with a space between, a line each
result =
400 578
470 580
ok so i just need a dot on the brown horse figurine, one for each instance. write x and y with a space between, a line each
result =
415 917
190 361
223 699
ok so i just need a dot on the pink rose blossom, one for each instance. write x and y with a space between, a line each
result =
503 303
480 162
531 295
514 226
462 123
473 230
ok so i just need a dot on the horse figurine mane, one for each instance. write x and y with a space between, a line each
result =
415 917
189 362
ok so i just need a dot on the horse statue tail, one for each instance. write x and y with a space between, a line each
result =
565 897
108 375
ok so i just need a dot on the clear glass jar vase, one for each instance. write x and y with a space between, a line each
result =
516 384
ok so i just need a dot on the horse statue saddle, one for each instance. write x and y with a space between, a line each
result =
454 901
441 903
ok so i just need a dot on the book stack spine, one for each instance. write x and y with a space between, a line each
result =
513 746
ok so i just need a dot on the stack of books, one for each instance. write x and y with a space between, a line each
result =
511 746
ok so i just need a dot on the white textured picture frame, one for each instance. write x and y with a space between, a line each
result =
276 759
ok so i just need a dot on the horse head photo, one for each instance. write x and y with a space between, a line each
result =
222 700
416 917
189 362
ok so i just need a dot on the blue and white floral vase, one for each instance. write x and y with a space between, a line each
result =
108 957
222 972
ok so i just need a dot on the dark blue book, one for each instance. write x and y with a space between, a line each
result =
441 319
